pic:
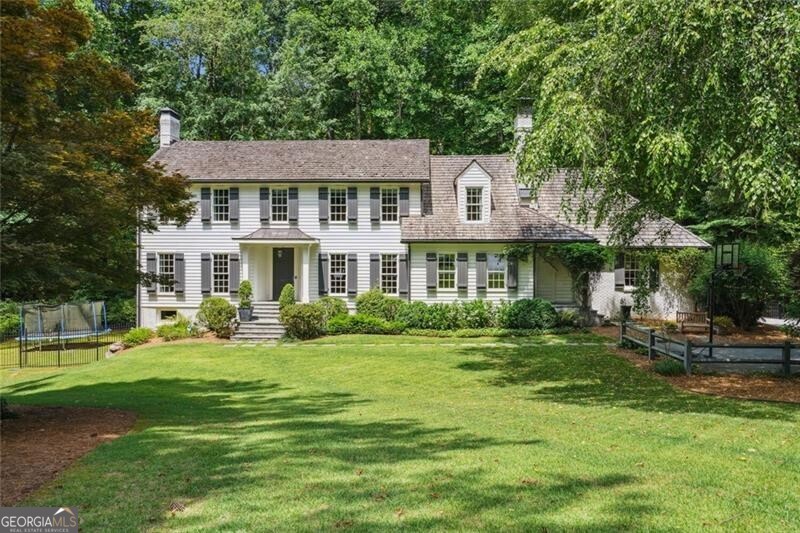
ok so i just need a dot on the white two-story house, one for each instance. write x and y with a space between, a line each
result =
338 218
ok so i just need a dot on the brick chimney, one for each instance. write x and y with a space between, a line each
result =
169 126
523 122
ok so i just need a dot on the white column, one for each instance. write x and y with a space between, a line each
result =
305 274
243 250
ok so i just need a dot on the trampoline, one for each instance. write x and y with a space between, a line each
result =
66 321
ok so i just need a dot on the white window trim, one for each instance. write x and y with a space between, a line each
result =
330 275
490 271
272 205
455 272
397 205
228 269
330 205
482 190
626 257
158 272
396 274
214 204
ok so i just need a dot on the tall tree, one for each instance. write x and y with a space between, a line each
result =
74 161
691 106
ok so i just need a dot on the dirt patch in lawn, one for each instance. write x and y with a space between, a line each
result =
742 386
40 442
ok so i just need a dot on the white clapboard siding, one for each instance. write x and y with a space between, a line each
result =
196 238
474 176
418 285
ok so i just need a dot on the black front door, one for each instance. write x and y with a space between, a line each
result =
282 269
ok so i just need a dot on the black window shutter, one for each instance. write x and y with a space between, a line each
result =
293 204
322 275
481 272
324 207
205 273
233 274
151 270
402 276
352 274
461 271
512 269
233 204
205 204
263 204
180 274
430 270
375 204
352 204
619 272
404 202
374 271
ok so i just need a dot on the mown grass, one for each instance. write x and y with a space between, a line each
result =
365 437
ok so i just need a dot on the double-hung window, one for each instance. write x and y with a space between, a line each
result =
632 270
496 267
338 205
389 273
280 205
221 205
389 205
219 274
447 271
474 204
166 273
338 273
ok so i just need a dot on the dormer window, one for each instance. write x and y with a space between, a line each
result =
474 204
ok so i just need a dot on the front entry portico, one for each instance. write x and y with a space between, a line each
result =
272 258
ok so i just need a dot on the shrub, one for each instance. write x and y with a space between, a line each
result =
375 303
331 307
483 332
363 324
528 314
287 296
724 322
245 294
669 326
181 328
568 319
413 314
9 318
217 315
121 311
669 367
477 314
303 321
137 336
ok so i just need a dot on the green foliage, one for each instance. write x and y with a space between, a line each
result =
743 294
568 319
303 321
533 313
137 336
180 328
245 294
484 332
331 307
585 262
679 267
648 280
364 324
375 303
414 314
9 318
520 252
286 297
217 314
669 326
691 107
669 367
121 310
477 314
724 322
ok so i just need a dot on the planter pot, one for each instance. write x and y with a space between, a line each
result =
626 312
245 314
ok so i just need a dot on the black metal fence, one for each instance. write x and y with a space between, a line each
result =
725 357
63 348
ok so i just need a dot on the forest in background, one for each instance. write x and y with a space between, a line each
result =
692 107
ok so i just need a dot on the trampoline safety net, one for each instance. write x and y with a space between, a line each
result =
65 320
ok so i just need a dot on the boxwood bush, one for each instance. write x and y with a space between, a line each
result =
375 303
217 314
180 328
527 314
303 321
363 324
669 367
137 336
331 307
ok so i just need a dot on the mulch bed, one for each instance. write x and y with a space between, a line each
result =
742 386
40 442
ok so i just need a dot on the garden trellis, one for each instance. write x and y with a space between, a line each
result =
65 321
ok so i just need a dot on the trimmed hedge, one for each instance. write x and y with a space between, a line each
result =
485 332
303 321
375 303
137 336
331 307
181 328
527 314
363 324
217 314
476 314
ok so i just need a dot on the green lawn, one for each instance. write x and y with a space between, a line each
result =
452 435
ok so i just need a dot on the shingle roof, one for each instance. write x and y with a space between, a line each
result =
509 222
277 234
661 232
368 160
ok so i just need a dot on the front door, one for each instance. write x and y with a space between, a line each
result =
282 270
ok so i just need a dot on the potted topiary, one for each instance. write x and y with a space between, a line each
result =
245 301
